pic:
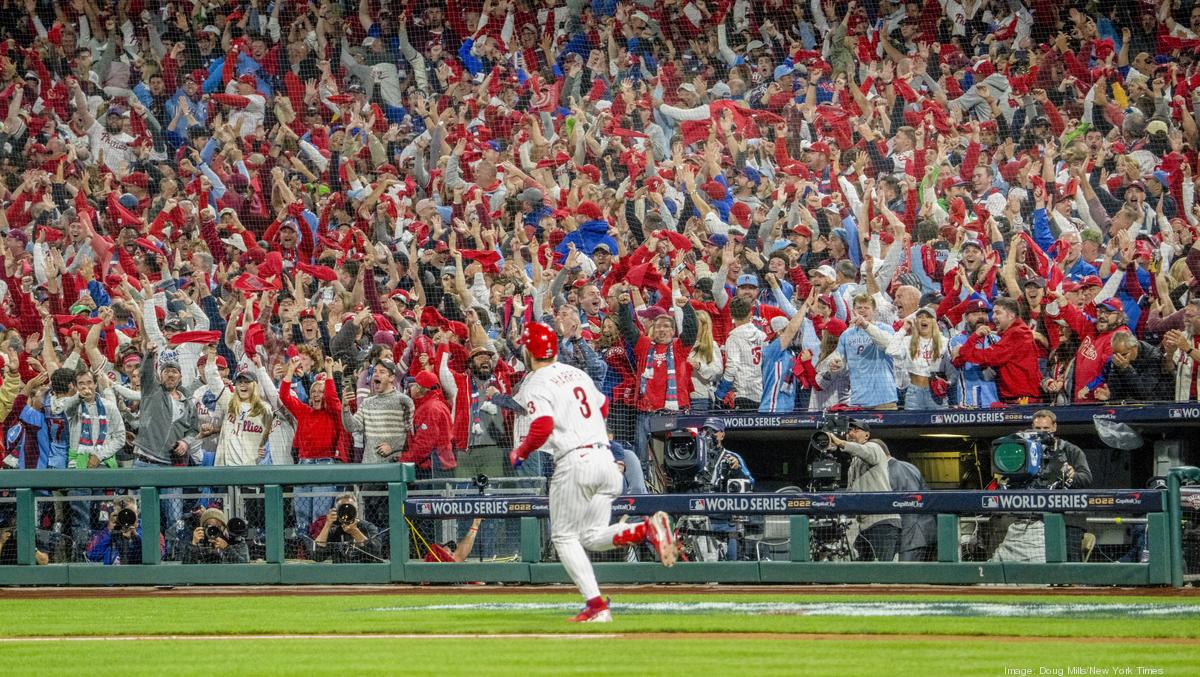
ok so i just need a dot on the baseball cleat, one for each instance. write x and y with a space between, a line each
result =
594 614
662 537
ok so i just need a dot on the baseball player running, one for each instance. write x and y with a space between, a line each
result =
566 414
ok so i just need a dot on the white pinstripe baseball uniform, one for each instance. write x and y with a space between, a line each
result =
586 478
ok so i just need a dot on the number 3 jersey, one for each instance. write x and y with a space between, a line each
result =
571 399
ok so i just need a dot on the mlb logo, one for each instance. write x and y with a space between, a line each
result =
424 508
696 504
991 501
1176 413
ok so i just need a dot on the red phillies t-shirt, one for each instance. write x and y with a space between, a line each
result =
439 553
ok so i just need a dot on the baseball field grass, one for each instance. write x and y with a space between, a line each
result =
521 633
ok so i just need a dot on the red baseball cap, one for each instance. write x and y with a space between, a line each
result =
427 380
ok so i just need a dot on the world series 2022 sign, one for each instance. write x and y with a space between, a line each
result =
932 502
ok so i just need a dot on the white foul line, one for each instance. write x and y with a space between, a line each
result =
205 638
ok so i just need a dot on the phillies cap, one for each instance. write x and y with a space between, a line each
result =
977 305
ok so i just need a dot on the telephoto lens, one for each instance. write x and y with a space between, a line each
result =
212 532
347 513
237 527
126 518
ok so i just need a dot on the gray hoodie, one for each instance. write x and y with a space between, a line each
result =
159 429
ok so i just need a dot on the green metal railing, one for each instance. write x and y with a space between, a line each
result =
148 482
1165 565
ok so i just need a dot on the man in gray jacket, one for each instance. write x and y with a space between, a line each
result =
168 425
879 535
168 428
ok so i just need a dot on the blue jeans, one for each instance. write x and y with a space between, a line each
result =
641 442
917 398
635 479
81 518
309 508
171 515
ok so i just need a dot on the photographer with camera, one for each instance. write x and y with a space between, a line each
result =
878 535
215 541
1063 466
725 471
345 537
120 541
8 543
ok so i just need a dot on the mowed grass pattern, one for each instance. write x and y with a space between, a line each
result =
485 657
974 653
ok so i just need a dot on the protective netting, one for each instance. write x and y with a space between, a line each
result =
1190 511
280 213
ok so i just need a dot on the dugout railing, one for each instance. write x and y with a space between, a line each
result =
1165 514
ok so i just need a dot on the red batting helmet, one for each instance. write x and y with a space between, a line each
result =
540 340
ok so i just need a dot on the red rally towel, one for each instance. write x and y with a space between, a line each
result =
323 273
205 337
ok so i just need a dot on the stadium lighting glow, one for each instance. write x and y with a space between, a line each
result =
946 436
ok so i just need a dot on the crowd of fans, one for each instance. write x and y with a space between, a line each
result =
273 232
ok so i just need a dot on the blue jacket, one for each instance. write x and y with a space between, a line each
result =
586 237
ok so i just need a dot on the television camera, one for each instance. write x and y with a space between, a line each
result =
1028 459
695 462
824 467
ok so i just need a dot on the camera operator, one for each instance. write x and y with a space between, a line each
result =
212 542
1068 467
120 541
727 465
733 467
1064 467
8 543
879 535
346 537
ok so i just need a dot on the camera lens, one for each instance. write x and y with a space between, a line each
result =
347 513
212 532
126 518
237 526
821 441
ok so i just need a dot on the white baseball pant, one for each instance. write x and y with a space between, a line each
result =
582 490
